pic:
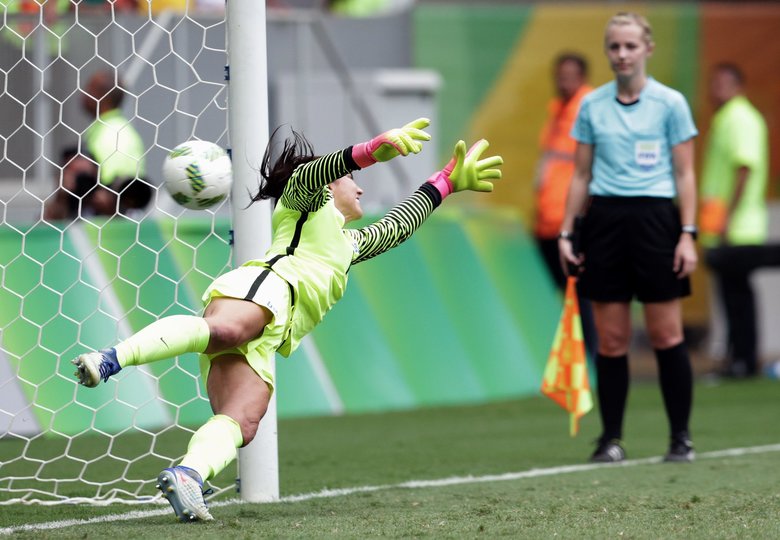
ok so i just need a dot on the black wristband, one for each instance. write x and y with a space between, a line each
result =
566 235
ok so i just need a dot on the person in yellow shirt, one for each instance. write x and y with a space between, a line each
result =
358 8
734 218
555 170
110 165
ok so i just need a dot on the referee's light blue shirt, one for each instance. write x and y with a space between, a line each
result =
632 144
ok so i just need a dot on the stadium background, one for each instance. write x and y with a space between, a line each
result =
408 333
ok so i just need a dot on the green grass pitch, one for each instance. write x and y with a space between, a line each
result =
715 497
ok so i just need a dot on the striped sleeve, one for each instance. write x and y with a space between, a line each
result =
304 191
397 225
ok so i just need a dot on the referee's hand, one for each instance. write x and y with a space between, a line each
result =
570 262
685 257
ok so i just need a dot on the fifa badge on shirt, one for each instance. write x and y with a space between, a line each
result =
647 154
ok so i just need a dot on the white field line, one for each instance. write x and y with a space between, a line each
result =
411 484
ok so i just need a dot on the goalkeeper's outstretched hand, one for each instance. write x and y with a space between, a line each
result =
467 171
396 142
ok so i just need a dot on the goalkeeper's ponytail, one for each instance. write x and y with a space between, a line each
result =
295 151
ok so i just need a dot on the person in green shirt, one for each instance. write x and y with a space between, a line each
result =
268 305
734 216
358 8
116 147
110 164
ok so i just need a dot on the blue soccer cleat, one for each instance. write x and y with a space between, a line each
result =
183 488
95 366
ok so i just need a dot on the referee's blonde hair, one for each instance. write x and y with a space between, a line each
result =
625 18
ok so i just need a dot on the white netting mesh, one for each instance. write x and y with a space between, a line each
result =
81 281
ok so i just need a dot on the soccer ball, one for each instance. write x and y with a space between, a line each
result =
198 174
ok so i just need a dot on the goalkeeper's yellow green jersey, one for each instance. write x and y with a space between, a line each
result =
313 252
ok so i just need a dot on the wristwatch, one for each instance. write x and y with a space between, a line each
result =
566 235
692 230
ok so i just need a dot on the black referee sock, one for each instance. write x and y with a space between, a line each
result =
676 376
612 373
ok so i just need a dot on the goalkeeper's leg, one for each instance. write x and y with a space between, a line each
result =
239 397
227 323
164 338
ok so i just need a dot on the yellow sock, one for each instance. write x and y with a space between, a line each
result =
164 338
213 446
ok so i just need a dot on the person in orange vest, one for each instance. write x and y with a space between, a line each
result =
555 170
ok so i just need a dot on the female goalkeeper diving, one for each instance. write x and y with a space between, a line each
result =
267 305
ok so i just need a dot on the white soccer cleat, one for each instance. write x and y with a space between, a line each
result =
184 490
91 367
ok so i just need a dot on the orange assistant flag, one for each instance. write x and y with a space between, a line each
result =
566 374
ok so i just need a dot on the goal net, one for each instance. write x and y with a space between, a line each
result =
82 280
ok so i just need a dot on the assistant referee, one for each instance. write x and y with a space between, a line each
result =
634 157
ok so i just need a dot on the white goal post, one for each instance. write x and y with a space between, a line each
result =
248 114
83 282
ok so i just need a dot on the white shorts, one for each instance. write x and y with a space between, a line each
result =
262 286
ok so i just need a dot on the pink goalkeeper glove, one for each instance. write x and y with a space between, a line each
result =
466 171
390 144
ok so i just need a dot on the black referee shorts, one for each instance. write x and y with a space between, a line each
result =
629 245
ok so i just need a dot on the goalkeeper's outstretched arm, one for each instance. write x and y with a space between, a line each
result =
297 177
465 171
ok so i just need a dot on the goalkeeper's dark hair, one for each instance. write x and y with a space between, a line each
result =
276 171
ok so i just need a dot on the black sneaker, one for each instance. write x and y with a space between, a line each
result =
608 451
680 451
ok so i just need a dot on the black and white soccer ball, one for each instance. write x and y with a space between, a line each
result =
198 174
